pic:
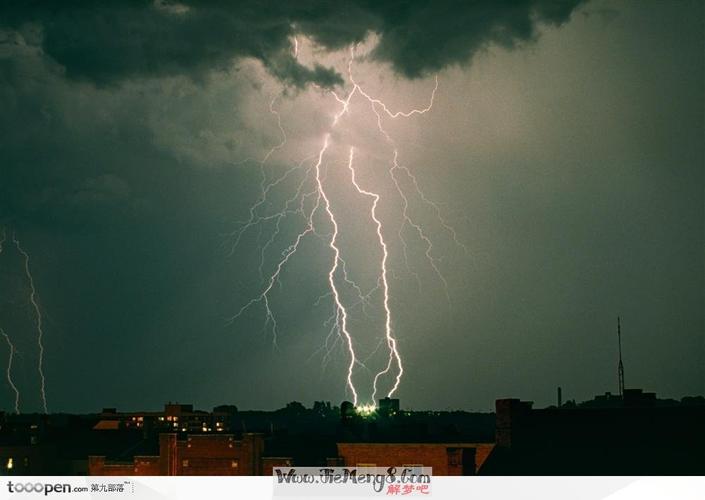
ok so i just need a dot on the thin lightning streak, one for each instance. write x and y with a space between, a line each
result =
264 296
9 366
265 188
435 208
419 230
391 341
376 102
285 211
362 301
40 331
9 344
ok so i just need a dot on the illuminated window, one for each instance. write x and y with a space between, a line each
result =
184 463
10 464
234 464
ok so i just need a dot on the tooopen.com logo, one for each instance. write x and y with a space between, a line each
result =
43 488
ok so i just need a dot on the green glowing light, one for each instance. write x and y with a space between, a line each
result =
365 410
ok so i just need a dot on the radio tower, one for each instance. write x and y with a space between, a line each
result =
620 368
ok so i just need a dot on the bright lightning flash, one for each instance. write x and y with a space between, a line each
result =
311 202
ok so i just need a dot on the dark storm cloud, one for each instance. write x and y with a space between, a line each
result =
108 41
427 36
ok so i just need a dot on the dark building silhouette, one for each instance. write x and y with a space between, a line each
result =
637 434
388 407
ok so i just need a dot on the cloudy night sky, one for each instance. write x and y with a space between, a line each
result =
554 182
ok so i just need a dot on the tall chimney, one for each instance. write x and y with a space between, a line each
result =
620 366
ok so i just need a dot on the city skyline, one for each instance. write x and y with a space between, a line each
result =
479 197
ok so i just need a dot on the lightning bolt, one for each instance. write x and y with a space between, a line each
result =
401 176
265 187
256 220
10 345
40 331
341 311
9 368
391 341
380 108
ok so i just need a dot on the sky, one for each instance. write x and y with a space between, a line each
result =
559 184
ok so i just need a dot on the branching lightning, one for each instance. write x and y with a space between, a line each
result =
9 344
38 312
391 341
312 202
341 312
9 369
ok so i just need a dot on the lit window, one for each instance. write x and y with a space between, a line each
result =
10 464
233 464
